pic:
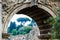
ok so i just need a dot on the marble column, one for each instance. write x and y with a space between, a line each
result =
0 20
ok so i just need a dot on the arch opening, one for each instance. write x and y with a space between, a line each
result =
21 24
39 15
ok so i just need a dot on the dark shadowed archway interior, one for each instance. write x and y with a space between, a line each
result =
39 15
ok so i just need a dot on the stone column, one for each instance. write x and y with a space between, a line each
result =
0 20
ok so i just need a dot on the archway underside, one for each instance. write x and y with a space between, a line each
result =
39 15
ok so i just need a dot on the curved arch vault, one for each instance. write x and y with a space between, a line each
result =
38 13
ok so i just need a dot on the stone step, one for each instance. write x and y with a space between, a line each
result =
45 31
45 36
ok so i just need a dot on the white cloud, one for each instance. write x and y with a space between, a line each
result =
14 19
28 22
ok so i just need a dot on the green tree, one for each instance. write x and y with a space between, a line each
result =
25 30
55 22
14 32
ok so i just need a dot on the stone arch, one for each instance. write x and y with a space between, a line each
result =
25 6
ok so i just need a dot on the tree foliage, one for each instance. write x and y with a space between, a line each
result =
55 22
